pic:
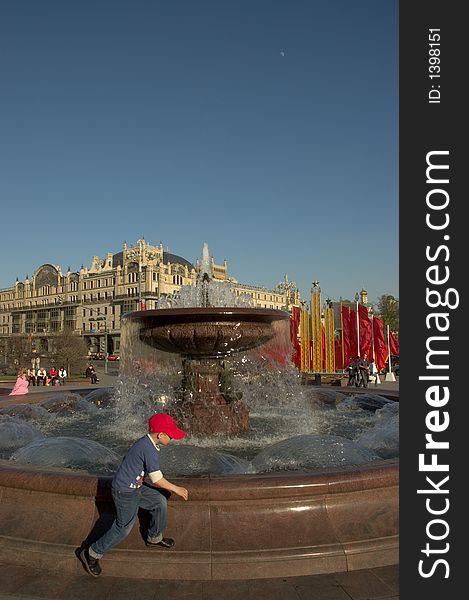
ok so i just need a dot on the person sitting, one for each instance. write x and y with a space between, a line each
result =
62 375
32 376
53 375
21 385
91 373
41 376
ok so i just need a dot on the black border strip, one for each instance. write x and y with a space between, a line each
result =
429 127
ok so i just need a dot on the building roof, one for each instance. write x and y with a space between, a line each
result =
118 259
175 259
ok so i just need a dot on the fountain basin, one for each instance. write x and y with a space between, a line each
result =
206 332
236 527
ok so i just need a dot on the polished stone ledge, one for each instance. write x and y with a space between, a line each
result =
236 527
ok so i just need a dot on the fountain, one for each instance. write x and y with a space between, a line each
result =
203 337
264 522
203 334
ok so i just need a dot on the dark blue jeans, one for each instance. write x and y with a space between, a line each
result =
127 505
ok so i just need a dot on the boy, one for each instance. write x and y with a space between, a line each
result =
130 492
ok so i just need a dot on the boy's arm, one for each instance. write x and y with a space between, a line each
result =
171 487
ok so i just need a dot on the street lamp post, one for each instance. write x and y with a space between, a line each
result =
105 339
105 349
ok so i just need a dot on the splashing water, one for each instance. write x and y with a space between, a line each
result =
207 291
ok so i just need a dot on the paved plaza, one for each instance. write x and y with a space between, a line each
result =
23 583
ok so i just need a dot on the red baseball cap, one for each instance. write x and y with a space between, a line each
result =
163 423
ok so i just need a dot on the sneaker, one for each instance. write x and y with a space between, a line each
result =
91 564
164 543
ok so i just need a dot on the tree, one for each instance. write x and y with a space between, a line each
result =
70 351
17 352
388 309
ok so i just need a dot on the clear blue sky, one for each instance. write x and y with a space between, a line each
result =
267 128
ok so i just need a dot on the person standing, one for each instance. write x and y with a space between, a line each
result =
364 368
374 372
351 371
21 386
137 484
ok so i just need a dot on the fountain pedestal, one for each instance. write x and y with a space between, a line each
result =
204 337
213 404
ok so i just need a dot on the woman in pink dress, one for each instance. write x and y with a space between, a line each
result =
21 385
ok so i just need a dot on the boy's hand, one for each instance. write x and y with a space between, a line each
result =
180 491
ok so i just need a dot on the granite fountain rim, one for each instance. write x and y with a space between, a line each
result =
210 314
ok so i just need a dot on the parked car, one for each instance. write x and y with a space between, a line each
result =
113 357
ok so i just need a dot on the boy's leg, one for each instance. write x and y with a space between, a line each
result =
126 504
156 504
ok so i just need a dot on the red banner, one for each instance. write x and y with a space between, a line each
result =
381 350
393 345
364 325
339 363
323 344
349 333
294 327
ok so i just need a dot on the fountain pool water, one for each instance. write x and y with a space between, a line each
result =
309 429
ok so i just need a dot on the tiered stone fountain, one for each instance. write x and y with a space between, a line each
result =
203 337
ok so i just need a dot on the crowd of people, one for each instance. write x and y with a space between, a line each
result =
361 371
44 377
41 376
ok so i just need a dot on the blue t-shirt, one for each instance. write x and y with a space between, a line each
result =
142 458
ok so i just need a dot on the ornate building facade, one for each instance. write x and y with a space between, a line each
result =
90 302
